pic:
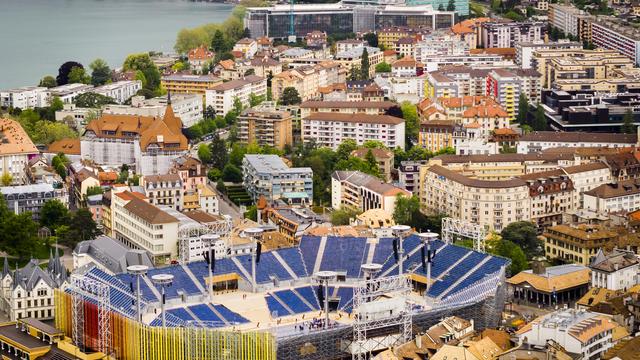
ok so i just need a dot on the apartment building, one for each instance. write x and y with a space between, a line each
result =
143 226
581 332
389 36
586 177
622 196
353 58
551 194
542 140
264 66
494 204
29 292
23 198
222 97
269 176
525 50
436 135
505 87
409 176
67 93
577 69
120 91
346 107
188 107
571 20
191 171
577 243
307 80
470 31
199 57
348 44
407 67
617 270
148 142
248 47
16 149
508 34
189 84
266 127
164 190
331 129
609 33
26 97
354 189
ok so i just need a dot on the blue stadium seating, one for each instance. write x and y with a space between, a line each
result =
230 316
269 266
275 306
106 278
309 249
346 298
181 313
384 250
147 294
293 301
344 254
456 273
204 313
309 294
293 258
488 268
181 281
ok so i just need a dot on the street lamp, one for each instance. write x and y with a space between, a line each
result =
255 233
138 271
323 278
400 231
164 280
427 238
209 240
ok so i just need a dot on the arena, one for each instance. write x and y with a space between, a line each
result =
371 307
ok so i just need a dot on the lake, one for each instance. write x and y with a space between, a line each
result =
37 36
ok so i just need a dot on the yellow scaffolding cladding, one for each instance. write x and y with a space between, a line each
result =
136 341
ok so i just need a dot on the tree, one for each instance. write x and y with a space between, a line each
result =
48 82
290 96
232 173
440 7
251 213
81 227
219 154
539 120
343 216
364 63
345 149
255 100
6 179
246 33
627 123
204 153
523 109
412 123
188 39
355 73
383 67
510 250
97 190
218 43
405 209
371 38
78 75
144 64
524 235
221 187
53 214
214 174
451 6
64 70
100 72
373 144
92 100
371 160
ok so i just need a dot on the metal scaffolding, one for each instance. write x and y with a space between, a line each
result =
455 227
83 290
368 291
190 231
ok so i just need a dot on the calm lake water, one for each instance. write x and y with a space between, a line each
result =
37 36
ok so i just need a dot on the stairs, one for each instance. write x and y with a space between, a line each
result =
323 244
225 321
453 286
372 249
395 266
193 278
155 291
284 264
244 271
303 299
284 305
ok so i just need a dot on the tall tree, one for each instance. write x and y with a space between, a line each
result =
539 120
100 72
371 38
451 6
524 235
81 227
364 64
232 173
412 123
54 214
290 96
204 153
78 75
144 64
48 82
217 43
219 154
64 70
627 123
523 109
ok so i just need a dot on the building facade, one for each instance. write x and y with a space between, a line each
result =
266 127
269 176
354 189
222 97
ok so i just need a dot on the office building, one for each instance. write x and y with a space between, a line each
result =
331 129
525 50
269 176
265 127
541 140
571 20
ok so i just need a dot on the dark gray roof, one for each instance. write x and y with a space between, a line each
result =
113 255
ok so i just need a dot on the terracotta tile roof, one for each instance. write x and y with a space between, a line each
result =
245 41
202 217
370 182
510 52
65 146
473 125
625 349
505 131
587 329
200 53
499 337
448 124
149 212
543 157
237 54
354 118
107 176
485 111
389 52
467 26
130 195
238 83
227 64
84 174
597 295
465 101
173 177
407 61
14 140
264 40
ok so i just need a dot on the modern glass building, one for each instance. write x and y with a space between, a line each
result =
340 18
462 6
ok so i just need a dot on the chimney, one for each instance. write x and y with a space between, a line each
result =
537 265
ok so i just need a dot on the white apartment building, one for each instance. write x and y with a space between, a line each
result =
26 97
353 57
525 50
345 107
188 107
494 204
566 18
269 176
16 149
508 34
31 198
141 225
623 196
362 191
196 244
163 190
29 292
348 44
67 93
307 79
586 177
405 67
577 331
617 270
79 115
609 34
120 91
331 129
221 97
537 141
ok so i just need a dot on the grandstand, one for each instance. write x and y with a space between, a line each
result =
287 295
